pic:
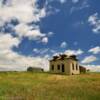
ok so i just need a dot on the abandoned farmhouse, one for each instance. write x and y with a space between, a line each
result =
64 64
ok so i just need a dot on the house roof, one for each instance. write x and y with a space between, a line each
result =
63 57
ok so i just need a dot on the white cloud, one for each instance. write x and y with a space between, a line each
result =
1 23
52 10
92 19
7 41
57 53
20 62
95 50
42 13
50 34
23 30
89 59
63 44
34 34
41 51
93 68
10 60
45 50
82 6
24 10
21 11
75 52
45 40
35 50
95 22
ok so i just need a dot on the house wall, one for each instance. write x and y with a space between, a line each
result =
76 67
60 62
68 69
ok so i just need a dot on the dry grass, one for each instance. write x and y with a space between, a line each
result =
44 86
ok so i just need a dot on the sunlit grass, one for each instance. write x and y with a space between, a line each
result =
45 86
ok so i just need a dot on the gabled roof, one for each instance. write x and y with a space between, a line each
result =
63 57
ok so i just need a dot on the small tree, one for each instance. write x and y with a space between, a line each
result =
88 70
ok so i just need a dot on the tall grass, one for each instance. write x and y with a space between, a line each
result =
45 86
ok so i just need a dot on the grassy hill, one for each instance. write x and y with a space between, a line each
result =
45 86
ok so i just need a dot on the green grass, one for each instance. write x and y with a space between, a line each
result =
45 86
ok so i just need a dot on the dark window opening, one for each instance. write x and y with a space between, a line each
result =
72 66
63 68
52 67
76 66
58 67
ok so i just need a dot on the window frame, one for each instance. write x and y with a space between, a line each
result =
73 66
63 67
76 66
58 67
52 67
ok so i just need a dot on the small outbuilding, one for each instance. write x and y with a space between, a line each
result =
34 69
64 64
82 69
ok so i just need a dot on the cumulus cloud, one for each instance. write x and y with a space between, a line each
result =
75 52
32 32
94 21
45 40
23 30
10 60
25 11
20 62
50 34
36 50
69 52
7 41
43 51
83 5
89 59
63 44
95 50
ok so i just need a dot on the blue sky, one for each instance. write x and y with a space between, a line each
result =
32 31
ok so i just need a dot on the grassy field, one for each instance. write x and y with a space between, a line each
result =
45 86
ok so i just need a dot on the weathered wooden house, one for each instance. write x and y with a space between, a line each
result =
64 64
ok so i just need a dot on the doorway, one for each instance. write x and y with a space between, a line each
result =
63 68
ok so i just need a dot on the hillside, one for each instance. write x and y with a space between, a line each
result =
44 86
